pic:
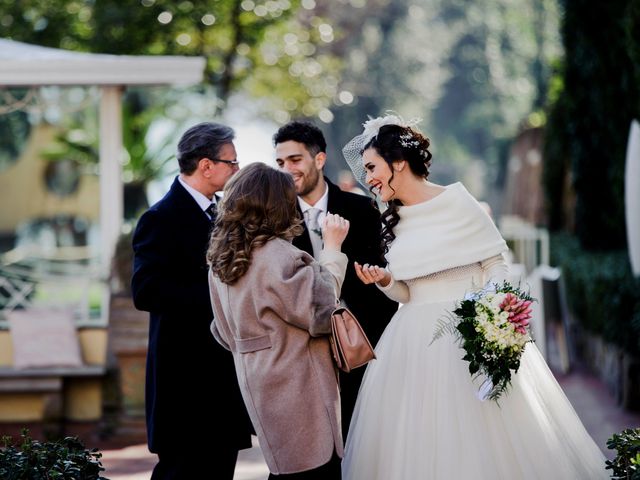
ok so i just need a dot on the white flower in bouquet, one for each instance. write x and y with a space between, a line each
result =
492 326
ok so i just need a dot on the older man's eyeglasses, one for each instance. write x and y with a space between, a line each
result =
230 162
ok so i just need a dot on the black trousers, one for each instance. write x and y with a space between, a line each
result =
215 464
349 387
328 471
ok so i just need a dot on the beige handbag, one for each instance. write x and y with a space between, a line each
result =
350 346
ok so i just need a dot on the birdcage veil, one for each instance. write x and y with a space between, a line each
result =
352 151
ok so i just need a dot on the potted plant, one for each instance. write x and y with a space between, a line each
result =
65 459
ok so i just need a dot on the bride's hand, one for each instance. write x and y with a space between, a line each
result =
372 274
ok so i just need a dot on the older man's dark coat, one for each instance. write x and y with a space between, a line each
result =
192 396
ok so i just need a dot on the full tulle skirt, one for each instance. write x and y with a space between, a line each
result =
418 416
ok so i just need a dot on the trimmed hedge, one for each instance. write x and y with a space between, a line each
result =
601 291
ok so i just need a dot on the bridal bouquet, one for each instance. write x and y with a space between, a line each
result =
492 326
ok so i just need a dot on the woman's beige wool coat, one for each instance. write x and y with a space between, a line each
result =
276 320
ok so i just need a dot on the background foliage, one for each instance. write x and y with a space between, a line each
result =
273 48
593 98
598 96
472 71
601 290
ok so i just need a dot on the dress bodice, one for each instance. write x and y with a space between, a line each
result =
451 284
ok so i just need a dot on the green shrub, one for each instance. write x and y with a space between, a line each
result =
626 465
65 459
601 291
594 100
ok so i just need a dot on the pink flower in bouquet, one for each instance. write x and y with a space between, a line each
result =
519 311
492 328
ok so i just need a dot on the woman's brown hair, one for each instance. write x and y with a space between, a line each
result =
259 204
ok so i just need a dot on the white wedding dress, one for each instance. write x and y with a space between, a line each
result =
417 416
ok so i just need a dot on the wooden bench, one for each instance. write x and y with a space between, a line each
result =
28 390
48 394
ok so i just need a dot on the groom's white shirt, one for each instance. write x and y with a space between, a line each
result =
321 204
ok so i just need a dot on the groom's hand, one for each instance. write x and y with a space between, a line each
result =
372 274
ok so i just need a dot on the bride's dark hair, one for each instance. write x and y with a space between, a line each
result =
394 143
259 204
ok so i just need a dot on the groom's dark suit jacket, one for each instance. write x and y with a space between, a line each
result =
192 393
372 308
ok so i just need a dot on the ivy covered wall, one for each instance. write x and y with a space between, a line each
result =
594 97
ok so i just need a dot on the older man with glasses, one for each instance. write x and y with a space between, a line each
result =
192 394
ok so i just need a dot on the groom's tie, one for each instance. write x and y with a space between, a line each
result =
315 234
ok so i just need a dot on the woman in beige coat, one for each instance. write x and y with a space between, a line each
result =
272 305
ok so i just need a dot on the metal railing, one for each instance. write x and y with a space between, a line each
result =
67 277
529 244
530 257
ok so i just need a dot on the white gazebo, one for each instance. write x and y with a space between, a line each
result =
24 65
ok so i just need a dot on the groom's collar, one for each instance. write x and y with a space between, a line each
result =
321 203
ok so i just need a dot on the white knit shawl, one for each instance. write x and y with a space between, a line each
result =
450 230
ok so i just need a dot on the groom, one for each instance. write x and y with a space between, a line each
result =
301 151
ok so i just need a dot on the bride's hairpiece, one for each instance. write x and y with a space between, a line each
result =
352 151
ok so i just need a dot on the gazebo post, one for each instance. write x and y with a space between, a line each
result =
111 188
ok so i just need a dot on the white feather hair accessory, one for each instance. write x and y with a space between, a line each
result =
352 151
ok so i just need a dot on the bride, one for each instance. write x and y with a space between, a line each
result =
417 415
